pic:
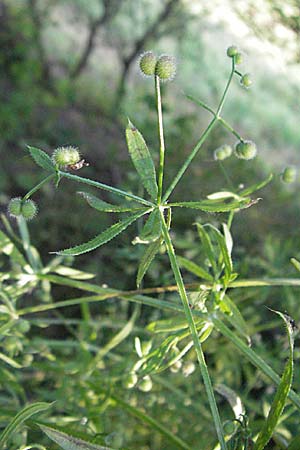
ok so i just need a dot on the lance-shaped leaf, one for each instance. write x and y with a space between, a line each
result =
208 247
101 205
215 206
41 158
21 417
141 159
281 393
151 230
225 245
147 259
194 268
68 442
102 238
255 187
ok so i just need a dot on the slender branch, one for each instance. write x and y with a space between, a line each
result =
194 334
161 139
38 186
201 140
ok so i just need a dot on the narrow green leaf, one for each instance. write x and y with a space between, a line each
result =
41 158
21 417
233 399
11 362
102 238
224 249
295 263
146 260
75 274
176 323
214 206
194 268
68 442
281 393
141 159
255 187
221 195
101 205
208 247
8 248
235 317
151 230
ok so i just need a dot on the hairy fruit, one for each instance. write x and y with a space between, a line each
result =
245 150
165 67
65 156
289 174
222 152
147 63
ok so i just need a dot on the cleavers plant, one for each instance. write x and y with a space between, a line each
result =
201 316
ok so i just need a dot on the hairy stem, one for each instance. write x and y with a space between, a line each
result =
161 139
194 334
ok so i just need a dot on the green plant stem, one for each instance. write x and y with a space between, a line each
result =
38 186
203 137
161 139
229 128
226 176
194 333
26 243
105 187
133 296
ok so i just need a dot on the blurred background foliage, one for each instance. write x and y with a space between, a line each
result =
69 76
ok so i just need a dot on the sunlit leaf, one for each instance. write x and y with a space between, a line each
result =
41 158
296 263
141 159
214 206
207 246
281 393
102 238
233 399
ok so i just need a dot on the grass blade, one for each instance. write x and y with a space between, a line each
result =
68 442
281 393
21 417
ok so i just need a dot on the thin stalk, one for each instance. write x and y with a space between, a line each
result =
226 176
105 187
194 333
161 139
23 229
223 98
38 186
201 140
229 128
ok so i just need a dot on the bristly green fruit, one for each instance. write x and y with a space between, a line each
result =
238 58
65 156
29 209
14 207
232 51
289 174
20 208
245 150
165 67
147 63
222 152
246 80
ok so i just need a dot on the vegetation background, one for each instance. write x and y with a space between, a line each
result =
69 76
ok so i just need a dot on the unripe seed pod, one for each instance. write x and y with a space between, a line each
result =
238 58
232 51
222 152
146 384
130 381
246 80
165 67
65 156
29 209
14 207
245 150
23 326
147 63
289 174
